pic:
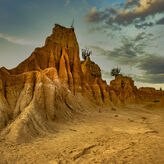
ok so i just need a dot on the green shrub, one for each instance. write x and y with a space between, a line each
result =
156 101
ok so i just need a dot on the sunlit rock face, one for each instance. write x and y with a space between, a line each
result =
124 89
125 92
61 51
48 86
150 94
42 88
53 83
98 87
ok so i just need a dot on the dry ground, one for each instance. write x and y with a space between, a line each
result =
133 135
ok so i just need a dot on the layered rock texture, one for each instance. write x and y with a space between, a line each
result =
126 92
98 89
53 83
149 94
124 89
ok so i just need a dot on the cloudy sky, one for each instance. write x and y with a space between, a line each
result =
128 34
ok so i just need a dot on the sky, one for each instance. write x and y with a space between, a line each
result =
128 34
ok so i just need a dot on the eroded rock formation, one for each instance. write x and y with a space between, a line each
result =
125 92
124 89
150 94
53 83
93 78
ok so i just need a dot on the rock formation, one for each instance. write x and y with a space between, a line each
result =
125 92
97 87
146 94
124 88
44 87
52 84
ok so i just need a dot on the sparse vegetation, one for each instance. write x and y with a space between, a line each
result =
72 25
115 72
156 101
86 53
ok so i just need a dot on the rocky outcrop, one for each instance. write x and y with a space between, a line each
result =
41 89
48 86
61 51
53 84
124 89
148 94
98 87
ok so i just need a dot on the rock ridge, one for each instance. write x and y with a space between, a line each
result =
53 83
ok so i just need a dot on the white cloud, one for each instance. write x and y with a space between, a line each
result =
19 41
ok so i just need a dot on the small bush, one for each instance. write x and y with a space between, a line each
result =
115 72
156 101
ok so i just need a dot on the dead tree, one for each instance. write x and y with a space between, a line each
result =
86 53
115 72
72 25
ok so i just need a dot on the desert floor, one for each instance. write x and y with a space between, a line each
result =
133 135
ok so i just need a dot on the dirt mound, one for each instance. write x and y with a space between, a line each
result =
42 100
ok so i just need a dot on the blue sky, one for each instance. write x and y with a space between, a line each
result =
124 33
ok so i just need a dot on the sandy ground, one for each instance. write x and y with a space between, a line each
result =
123 136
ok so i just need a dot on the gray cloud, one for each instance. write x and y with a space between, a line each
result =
140 36
143 36
130 3
138 15
144 25
128 52
150 78
132 53
152 65
95 15
161 21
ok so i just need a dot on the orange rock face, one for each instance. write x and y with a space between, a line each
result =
126 92
150 94
42 82
92 75
47 85
50 73
124 89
